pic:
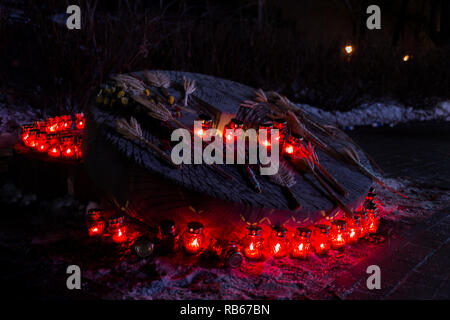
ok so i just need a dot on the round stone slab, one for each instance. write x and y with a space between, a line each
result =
130 170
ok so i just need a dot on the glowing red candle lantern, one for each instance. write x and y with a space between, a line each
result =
253 243
338 234
25 132
95 222
206 125
301 243
193 238
279 244
52 125
321 239
281 125
54 147
365 223
118 230
234 124
268 126
68 147
373 218
65 123
291 145
79 121
31 139
354 229
41 142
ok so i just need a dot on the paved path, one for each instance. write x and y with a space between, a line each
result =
415 265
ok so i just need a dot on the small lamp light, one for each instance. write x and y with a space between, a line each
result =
54 147
206 125
321 239
253 243
279 244
95 222
193 238
268 126
79 121
301 244
354 229
41 142
68 147
118 229
292 144
234 124
338 234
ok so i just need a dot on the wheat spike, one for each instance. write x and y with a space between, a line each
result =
284 177
132 131
189 88
129 83
157 79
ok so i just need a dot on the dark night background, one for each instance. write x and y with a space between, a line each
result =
294 47
291 46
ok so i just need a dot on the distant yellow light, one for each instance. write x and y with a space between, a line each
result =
406 58
349 49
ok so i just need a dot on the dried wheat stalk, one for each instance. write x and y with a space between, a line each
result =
158 111
285 179
157 79
132 131
189 88
128 82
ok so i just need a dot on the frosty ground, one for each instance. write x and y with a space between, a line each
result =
40 238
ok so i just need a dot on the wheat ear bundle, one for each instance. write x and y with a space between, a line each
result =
189 88
286 105
308 164
131 130
129 82
261 97
158 111
285 179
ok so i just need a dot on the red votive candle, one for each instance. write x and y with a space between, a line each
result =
268 126
118 230
31 139
301 244
365 223
25 132
193 238
41 142
79 121
338 234
292 144
68 147
95 222
234 124
206 125
52 125
281 125
253 243
54 147
279 244
354 229
321 239
65 123
373 217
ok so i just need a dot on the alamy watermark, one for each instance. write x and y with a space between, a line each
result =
262 149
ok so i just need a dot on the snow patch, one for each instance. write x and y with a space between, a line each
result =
377 114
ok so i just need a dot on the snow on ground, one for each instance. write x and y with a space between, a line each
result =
377 114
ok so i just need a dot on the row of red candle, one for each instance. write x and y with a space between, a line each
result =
61 123
193 239
55 145
321 238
